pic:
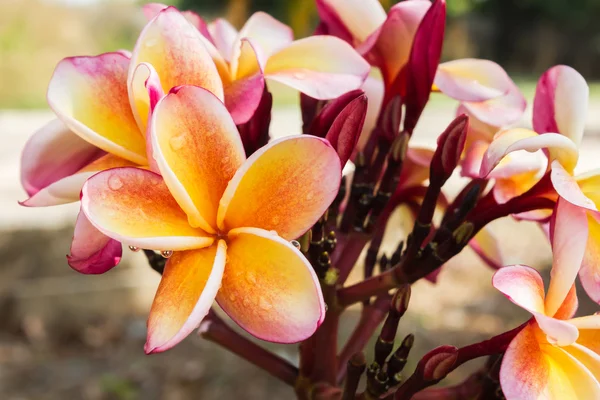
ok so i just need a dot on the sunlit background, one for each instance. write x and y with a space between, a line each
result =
68 336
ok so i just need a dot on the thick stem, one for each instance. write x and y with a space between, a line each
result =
325 340
216 330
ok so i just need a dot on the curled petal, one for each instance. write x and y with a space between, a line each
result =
522 285
285 186
53 152
471 79
68 189
588 322
146 90
224 35
471 163
178 53
89 94
500 111
568 188
560 148
570 233
390 45
589 274
485 244
92 252
561 102
197 149
269 288
188 287
134 206
532 369
360 17
569 305
322 67
559 333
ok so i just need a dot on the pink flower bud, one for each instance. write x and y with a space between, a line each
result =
450 146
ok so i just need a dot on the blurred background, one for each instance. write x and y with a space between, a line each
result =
68 336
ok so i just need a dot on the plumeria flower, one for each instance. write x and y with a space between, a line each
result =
227 219
323 67
102 104
555 356
560 107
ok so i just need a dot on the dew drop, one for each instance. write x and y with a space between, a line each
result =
151 42
299 75
232 297
225 160
264 303
296 244
166 253
275 219
309 196
177 142
114 182
246 302
251 277
134 249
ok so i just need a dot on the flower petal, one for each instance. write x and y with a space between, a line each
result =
322 67
52 153
533 370
92 252
568 188
561 103
569 305
472 79
522 285
197 149
186 292
560 148
559 333
500 111
146 90
68 189
373 88
224 36
471 163
415 169
587 357
134 206
360 17
390 45
569 239
151 10
589 274
269 288
285 186
485 244
89 94
177 52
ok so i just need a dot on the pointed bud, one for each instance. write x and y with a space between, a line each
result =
423 62
400 300
355 369
399 147
438 363
450 146
341 122
398 361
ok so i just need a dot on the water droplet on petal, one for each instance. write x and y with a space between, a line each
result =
232 297
166 253
151 42
275 219
134 249
251 277
177 142
114 182
299 75
264 303
326 307
296 244
246 302
309 196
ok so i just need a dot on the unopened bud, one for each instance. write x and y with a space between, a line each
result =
438 363
463 233
450 146
398 361
400 300
399 147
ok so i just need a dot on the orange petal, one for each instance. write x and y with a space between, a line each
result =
589 331
269 288
569 305
186 292
134 206
176 49
285 186
533 369
198 149
589 274
323 67
568 247
89 94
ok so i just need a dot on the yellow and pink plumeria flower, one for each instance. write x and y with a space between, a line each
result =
555 356
323 67
560 106
228 220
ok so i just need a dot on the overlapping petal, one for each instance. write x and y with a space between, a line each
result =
135 206
188 287
285 186
360 17
269 288
52 153
197 149
532 369
472 80
92 252
146 90
569 239
522 285
89 94
176 50
322 67
224 36
373 88
568 187
589 274
561 102
500 111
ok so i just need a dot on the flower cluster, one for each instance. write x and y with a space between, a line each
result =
168 149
